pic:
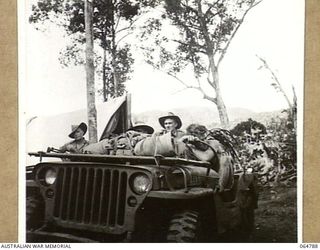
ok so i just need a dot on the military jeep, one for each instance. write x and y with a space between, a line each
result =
96 198
118 198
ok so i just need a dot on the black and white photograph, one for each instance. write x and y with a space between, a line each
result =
161 121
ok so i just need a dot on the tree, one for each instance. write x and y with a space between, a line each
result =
250 127
292 111
91 107
271 152
204 31
112 22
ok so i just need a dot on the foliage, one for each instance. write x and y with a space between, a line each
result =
112 22
249 127
123 62
272 154
227 139
202 31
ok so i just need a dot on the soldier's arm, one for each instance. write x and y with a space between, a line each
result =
204 155
66 147
217 147
225 166
63 148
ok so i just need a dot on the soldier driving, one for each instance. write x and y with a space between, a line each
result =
77 145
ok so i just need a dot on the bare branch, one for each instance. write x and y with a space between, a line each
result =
178 79
205 96
129 26
211 83
187 86
212 6
256 3
188 45
265 64
185 26
123 29
189 8
128 34
178 91
117 24
294 96
199 88
170 74
211 99
224 50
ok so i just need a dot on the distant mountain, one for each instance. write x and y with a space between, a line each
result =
206 116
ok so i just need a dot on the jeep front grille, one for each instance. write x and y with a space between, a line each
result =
91 196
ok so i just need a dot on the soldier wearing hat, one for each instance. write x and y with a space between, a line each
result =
142 128
167 140
76 146
171 124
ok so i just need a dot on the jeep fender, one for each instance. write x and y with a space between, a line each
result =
229 212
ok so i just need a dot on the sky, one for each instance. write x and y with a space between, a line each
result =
273 30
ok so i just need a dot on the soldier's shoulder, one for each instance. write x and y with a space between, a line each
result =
160 132
180 132
214 143
70 143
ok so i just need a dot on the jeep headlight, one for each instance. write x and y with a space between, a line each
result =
140 183
50 176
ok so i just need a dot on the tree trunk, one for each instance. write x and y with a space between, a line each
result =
91 107
294 109
104 80
114 57
222 110
115 73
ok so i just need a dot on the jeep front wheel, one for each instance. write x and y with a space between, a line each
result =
34 212
184 227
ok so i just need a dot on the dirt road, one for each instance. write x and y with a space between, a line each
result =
276 216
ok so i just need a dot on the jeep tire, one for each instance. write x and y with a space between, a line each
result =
34 212
184 227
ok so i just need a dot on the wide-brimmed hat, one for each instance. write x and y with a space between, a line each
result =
141 126
170 116
74 128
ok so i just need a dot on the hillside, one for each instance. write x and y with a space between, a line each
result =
206 116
